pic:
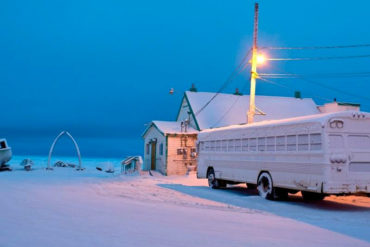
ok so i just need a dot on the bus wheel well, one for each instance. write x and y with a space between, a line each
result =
209 169
259 174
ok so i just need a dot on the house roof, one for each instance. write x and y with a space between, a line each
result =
169 127
229 109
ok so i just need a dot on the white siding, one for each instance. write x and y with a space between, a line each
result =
160 159
183 114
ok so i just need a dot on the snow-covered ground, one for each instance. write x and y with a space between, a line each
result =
66 207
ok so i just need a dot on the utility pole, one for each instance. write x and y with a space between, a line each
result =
252 105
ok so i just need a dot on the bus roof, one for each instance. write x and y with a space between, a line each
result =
321 118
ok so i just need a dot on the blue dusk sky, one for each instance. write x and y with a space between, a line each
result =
105 68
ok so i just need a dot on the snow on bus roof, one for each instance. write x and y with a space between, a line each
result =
320 118
228 109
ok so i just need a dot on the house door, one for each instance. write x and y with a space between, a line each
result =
153 155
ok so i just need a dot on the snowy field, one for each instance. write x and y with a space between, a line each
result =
65 207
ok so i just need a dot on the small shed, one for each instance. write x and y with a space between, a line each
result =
170 147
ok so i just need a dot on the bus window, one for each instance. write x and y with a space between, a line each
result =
213 145
315 142
231 146
280 143
252 144
238 145
261 144
224 145
291 143
218 145
270 143
206 146
359 141
336 142
244 144
303 142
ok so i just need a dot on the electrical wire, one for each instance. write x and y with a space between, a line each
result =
229 79
315 47
328 87
335 89
317 58
303 77
321 75
274 83
289 88
232 105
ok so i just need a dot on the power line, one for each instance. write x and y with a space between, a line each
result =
316 47
335 89
321 75
224 85
331 88
318 58
289 88
232 105
275 83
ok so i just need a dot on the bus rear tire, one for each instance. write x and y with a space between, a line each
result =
212 181
265 186
312 196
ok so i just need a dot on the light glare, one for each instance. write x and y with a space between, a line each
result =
261 59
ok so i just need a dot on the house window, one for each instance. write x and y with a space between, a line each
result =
280 143
315 142
291 143
147 148
303 142
161 149
270 144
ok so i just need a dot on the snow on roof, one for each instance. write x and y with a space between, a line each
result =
172 127
321 118
229 109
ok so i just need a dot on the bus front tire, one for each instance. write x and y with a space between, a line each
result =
213 182
312 196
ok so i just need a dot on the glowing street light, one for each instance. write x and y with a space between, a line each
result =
261 59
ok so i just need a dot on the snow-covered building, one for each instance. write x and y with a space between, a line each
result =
338 106
229 109
169 146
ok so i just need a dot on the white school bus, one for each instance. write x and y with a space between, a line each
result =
318 155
